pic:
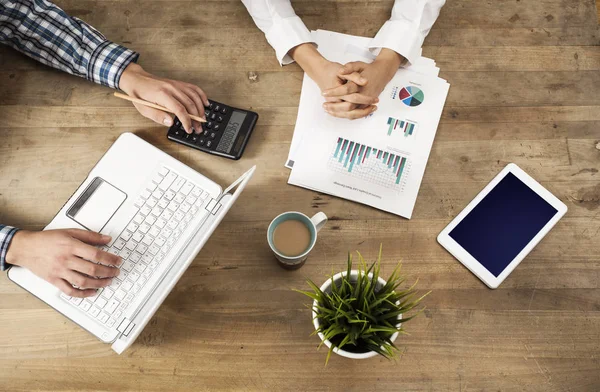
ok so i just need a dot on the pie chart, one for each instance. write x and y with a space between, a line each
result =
411 96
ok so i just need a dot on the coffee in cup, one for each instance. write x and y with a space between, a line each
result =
291 238
292 235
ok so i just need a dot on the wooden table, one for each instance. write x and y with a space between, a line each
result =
525 89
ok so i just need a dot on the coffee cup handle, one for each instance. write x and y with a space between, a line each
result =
319 220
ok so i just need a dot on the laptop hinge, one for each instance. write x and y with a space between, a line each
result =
125 327
213 206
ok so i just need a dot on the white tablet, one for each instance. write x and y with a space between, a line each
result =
502 225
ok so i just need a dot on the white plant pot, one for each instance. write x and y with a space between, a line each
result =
326 288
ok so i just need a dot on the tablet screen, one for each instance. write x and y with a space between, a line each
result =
503 223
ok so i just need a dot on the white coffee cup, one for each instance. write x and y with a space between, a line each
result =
313 224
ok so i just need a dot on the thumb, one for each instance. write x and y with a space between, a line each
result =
89 237
158 116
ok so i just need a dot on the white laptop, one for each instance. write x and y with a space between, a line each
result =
159 213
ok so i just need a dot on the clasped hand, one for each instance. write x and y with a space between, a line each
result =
351 90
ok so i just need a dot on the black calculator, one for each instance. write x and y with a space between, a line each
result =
225 132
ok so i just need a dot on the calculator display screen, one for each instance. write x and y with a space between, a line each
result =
235 122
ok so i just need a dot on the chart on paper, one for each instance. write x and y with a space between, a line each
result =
379 160
405 128
411 96
374 165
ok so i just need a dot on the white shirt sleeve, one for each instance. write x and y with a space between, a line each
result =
406 30
283 29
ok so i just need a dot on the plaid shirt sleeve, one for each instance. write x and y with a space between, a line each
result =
6 235
44 32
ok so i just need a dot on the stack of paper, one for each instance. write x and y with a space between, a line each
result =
379 160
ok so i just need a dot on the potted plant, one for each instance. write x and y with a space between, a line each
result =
357 314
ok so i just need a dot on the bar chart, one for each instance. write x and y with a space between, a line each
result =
368 163
407 128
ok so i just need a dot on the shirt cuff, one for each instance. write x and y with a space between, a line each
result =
286 34
107 63
6 235
400 36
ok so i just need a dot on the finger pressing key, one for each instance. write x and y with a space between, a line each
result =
92 269
96 255
84 282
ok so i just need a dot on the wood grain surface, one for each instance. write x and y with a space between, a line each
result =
525 78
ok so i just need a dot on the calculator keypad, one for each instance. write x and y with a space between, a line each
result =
216 135
217 116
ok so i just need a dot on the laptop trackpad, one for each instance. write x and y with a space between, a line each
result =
96 205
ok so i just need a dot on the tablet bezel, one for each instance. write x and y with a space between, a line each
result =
469 261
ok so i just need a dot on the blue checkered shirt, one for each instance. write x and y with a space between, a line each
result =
6 235
44 32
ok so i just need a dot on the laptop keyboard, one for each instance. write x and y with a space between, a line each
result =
167 205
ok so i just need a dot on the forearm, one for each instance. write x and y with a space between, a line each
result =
392 59
308 58
44 32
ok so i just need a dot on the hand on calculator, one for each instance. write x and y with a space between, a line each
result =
180 97
61 258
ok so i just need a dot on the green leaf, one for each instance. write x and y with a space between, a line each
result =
344 342
367 315
380 300
382 329
391 315
314 296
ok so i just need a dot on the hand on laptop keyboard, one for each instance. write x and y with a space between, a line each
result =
61 257
165 207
